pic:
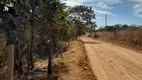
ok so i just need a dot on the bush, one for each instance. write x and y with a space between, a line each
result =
131 35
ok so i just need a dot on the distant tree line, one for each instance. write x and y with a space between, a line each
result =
130 34
116 27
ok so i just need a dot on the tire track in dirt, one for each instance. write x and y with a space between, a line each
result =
111 62
129 64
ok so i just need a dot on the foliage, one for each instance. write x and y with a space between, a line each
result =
123 33
114 28
42 20
82 16
81 13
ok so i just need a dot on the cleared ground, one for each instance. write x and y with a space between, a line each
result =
74 65
111 62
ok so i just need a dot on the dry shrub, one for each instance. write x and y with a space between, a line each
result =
132 35
3 58
137 37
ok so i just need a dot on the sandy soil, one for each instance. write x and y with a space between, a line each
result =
74 65
111 62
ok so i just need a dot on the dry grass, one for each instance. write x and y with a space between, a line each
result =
74 65
130 38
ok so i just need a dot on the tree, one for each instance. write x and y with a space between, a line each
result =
26 10
10 32
37 22
81 15
125 26
46 12
23 8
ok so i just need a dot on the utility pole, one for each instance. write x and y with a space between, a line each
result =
106 20
105 23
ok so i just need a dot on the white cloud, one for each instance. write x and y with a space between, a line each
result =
102 12
101 5
137 5
111 1
137 8
83 2
98 17
137 1
72 2
138 15
76 2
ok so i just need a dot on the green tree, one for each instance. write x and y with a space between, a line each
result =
81 15
125 26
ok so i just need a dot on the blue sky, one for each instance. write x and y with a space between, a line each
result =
119 11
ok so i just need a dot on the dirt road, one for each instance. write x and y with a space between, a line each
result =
111 62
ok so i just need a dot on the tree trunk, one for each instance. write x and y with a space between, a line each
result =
28 58
50 46
32 47
10 62
32 36
17 59
61 46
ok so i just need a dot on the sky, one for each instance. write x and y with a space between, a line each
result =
118 11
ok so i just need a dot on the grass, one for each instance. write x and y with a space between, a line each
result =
75 64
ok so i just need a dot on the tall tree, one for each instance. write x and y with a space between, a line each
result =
81 15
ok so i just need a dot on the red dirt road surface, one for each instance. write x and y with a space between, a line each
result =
111 62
